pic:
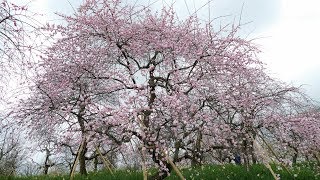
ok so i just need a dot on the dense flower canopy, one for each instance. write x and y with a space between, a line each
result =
119 74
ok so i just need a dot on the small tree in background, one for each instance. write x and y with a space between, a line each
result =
17 30
11 151
18 33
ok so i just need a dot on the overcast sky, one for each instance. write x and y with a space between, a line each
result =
287 31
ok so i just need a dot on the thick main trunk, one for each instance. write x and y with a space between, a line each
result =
160 159
82 153
295 155
45 170
95 164
82 160
197 154
246 160
294 158
252 153
162 174
47 163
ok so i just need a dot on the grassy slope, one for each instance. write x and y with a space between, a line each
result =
240 173
205 172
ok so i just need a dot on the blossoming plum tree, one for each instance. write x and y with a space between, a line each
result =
66 102
298 132
119 72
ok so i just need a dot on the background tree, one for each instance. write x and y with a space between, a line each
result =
11 151
64 103
17 28
18 32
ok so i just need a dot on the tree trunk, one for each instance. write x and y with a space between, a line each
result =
95 164
176 151
245 154
47 163
45 170
82 153
160 159
196 154
253 155
112 158
82 160
317 158
161 174
294 158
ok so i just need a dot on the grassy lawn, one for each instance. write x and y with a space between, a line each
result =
299 172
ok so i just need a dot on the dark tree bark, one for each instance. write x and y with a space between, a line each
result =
47 163
82 160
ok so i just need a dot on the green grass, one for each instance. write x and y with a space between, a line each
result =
229 171
235 172
101 175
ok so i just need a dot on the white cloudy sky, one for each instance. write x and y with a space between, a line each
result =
287 31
